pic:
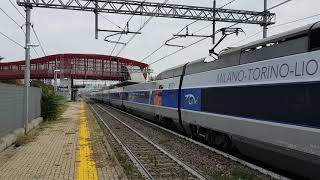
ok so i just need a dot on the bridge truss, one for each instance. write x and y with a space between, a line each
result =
75 66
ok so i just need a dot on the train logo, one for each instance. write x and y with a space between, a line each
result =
190 99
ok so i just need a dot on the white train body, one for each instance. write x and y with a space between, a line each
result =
262 98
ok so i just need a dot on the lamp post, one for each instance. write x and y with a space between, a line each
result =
55 79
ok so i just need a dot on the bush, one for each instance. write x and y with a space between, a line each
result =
51 104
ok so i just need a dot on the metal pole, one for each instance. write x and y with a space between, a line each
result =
72 92
27 67
265 27
96 20
214 23
55 80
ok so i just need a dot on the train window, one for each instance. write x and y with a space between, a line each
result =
290 103
315 40
171 85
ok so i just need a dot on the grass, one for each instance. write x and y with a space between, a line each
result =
241 174
217 174
45 125
234 174
127 165
164 141
32 135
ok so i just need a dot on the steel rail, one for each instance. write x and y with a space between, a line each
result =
226 155
145 173
189 169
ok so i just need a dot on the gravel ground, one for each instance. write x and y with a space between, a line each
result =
128 167
208 163
108 166
156 162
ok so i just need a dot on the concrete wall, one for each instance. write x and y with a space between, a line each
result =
11 107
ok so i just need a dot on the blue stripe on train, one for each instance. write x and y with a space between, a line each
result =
170 98
295 104
191 99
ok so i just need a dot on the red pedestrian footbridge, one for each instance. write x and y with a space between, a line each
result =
75 66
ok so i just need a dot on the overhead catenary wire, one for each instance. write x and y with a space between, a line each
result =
34 50
141 27
12 40
132 37
280 4
215 33
178 50
255 34
114 47
113 23
297 20
18 24
273 7
203 28
275 26
122 33
182 48
17 9
35 33
11 18
164 44
228 3
192 44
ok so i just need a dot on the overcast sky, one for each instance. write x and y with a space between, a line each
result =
64 31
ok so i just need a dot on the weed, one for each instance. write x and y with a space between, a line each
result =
24 139
126 164
164 141
217 174
52 105
241 174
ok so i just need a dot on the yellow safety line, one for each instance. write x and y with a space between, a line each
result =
86 166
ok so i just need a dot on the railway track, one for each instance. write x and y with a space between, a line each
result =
203 165
151 160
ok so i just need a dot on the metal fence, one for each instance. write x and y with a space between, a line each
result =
11 107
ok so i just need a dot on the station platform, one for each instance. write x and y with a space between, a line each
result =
72 147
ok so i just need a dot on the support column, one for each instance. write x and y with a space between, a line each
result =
72 90
265 27
55 74
214 23
96 20
27 67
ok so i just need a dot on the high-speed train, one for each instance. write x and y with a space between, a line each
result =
262 98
